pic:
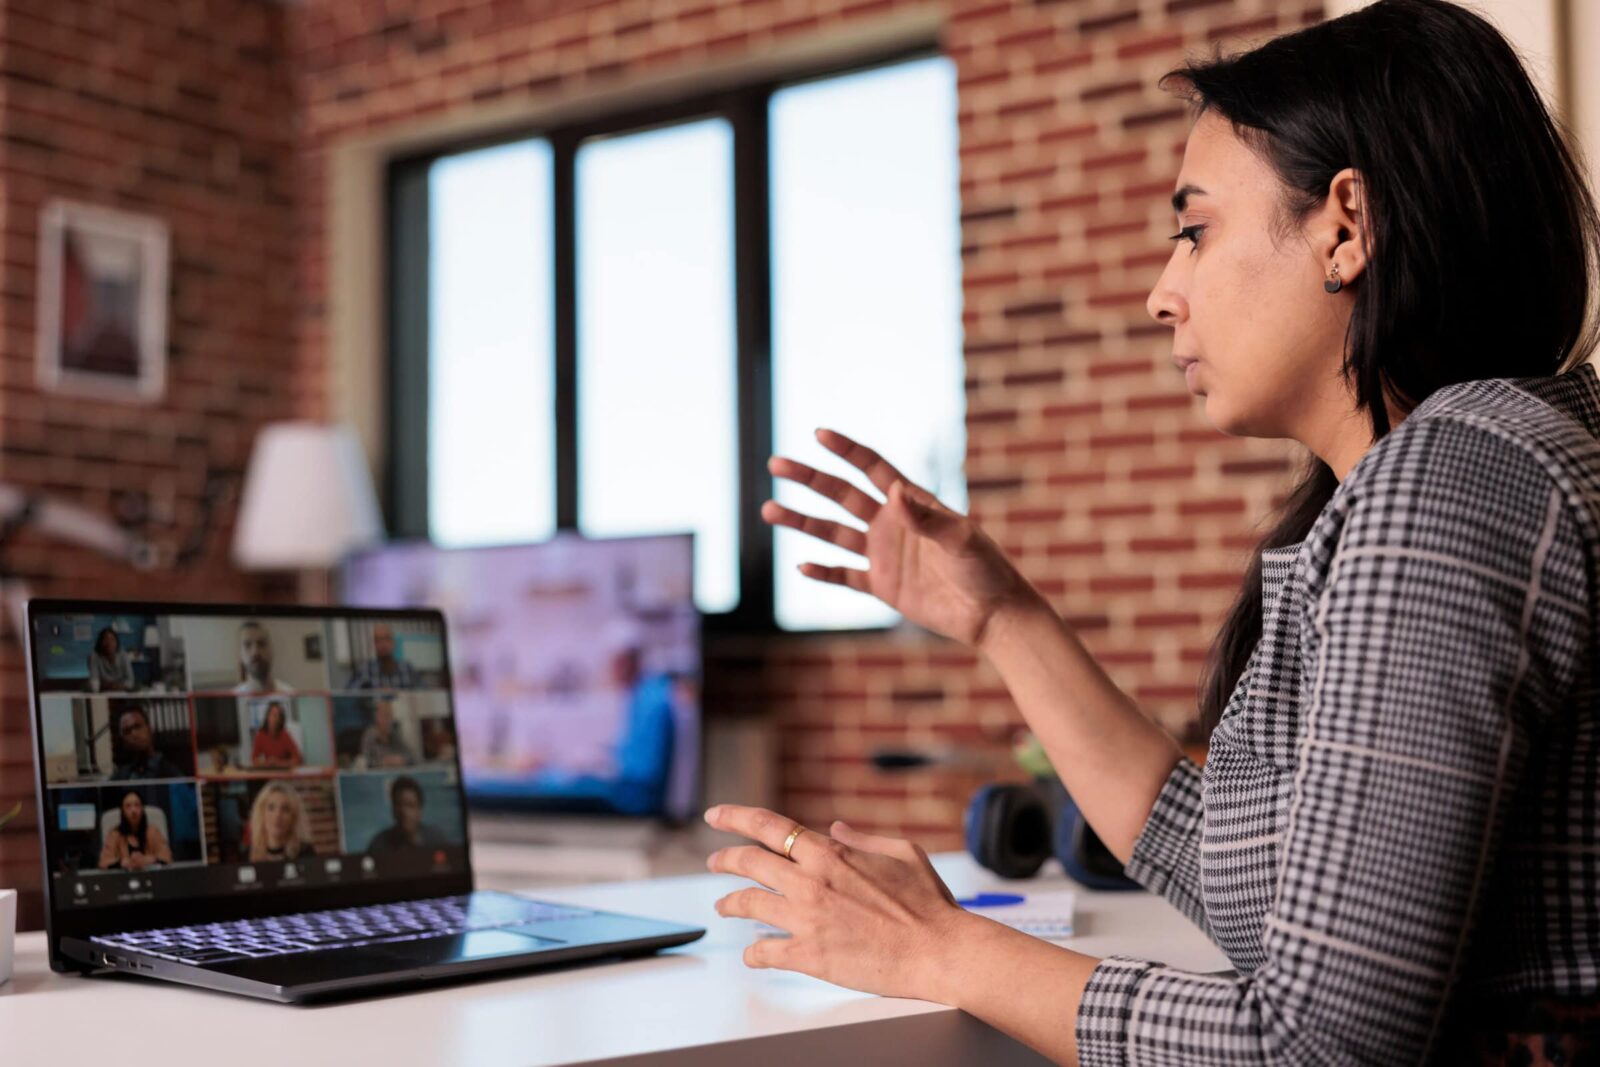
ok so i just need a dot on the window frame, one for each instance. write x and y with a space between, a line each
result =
745 107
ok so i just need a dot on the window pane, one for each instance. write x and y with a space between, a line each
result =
491 365
866 290
657 427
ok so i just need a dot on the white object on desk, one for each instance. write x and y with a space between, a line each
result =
8 930
1044 913
695 1005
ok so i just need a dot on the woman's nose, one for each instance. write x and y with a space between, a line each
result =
1166 305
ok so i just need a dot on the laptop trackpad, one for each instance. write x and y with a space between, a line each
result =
480 945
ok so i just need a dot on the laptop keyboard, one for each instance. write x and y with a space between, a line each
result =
314 931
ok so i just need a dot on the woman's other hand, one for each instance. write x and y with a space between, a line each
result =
931 564
864 912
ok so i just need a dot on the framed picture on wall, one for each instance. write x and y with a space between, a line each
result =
102 325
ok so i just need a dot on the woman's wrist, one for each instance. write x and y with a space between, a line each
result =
1011 623
948 966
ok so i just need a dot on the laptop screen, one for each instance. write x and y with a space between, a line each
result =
205 753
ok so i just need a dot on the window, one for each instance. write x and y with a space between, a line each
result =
866 299
491 360
609 327
657 416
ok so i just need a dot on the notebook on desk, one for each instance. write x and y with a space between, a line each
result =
268 801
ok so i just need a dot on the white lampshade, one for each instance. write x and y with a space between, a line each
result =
308 499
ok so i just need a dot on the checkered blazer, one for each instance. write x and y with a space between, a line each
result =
1396 834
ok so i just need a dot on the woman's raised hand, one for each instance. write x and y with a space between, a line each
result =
931 564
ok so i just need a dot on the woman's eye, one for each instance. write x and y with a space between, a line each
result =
1190 234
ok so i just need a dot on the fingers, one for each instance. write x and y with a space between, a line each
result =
760 825
845 576
758 904
877 469
758 865
894 847
771 952
931 519
898 847
811 848
841 492
846 537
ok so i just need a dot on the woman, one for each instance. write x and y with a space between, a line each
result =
278 828
133 844
110 669
273 745
1385 252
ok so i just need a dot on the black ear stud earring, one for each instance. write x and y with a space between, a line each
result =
1332 284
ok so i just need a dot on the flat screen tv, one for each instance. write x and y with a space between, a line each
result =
576 666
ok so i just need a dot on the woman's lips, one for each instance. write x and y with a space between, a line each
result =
1188 365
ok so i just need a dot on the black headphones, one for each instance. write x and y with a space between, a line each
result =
1011 829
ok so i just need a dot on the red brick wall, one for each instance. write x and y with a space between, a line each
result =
178 110
1088 459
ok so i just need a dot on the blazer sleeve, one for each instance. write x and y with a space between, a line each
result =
1452 616
1166 854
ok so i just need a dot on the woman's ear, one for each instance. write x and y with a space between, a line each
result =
1343 229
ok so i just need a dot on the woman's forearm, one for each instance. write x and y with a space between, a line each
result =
978 971
159 848
1110 756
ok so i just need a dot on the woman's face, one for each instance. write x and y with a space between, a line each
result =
1246 301
279 817
108 643
132 809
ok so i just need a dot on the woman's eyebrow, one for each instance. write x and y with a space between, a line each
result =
1180 199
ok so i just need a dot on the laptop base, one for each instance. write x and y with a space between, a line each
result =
333 974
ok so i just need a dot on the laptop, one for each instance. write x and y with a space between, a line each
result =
268 801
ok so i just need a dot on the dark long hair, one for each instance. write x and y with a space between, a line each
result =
1484 241
137 840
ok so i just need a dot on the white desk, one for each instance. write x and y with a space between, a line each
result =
697 1004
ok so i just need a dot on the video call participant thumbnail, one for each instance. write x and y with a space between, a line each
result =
408 833
254 655
409 815
392 730
257 820
385 670
382 743
255 661
106 653
273 746
135 755
263 735
110 669
110 828
134 843
278 828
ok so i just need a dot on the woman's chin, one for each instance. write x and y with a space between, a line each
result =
1224 420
